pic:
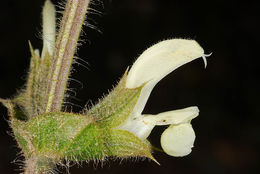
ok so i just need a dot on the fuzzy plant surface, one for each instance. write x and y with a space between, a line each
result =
115 126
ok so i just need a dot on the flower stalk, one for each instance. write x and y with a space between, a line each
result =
65 47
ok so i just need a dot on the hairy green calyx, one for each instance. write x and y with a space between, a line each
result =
80 137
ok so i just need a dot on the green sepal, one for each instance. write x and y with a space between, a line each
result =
116 107
88 144
17 122
121 143
21 136
76 137
37 83
31 100
15 109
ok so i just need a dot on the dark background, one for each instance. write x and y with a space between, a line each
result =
227 129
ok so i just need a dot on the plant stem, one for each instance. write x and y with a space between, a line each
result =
35 165
66 44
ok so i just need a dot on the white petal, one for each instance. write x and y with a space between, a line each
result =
142 125
177 140
48 27
138 127
158 61
172 117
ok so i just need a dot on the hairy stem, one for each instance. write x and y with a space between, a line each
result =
35 165
66 44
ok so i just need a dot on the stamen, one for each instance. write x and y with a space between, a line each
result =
204 56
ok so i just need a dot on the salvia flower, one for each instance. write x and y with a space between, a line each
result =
153 65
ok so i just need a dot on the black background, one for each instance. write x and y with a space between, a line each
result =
227 129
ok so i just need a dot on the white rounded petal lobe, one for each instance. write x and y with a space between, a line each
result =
177 140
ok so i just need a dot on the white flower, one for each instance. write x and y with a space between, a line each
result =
153 65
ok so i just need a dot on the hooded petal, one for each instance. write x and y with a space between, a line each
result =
158 61
177 140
